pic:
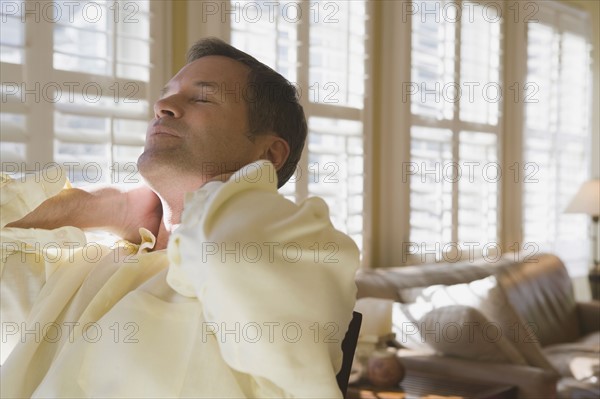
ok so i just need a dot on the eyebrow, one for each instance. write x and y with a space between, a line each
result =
199 83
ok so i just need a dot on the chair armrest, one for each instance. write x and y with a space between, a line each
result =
589 316
531 382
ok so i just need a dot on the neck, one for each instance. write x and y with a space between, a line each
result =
170 221
171 199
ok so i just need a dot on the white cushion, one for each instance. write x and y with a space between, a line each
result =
504 325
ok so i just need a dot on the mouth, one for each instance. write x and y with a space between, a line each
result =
163 131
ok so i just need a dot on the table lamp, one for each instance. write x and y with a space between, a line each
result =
587 200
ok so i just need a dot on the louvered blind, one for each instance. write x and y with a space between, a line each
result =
455 99
330 75
12 114
556 134
87 81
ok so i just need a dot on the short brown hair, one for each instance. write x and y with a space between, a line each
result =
273 102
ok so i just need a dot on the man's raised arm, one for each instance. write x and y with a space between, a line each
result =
107 208
276 273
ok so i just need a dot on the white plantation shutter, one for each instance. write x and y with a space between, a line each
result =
431 197
557 134
90 65
263 32
336 78
478 190
337 53
330 73
433 59
12 113
335 170
455 102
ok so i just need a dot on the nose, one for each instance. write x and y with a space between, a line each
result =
167 106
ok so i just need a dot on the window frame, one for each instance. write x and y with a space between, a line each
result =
394 68
37 68
217 27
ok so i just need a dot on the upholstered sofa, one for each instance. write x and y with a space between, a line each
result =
510 322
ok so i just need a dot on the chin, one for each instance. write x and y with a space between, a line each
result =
151 164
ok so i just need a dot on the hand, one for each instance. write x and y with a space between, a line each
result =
119 212
142 209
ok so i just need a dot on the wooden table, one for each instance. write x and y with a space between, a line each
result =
417 385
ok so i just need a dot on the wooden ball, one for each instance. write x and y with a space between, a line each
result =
385 370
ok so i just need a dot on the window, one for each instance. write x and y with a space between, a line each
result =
96 60
455 100
330 74
484 130
556 134
79 93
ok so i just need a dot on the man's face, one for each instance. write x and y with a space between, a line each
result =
200 126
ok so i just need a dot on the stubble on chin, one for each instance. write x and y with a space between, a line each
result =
167 163
153 163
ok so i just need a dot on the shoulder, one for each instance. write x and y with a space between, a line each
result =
248 193
248 206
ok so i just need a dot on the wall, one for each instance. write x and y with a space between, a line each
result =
179 34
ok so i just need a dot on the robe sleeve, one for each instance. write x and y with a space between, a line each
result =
28 256
275 280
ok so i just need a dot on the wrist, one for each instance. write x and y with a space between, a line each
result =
103 208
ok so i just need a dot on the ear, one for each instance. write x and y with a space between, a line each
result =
276 150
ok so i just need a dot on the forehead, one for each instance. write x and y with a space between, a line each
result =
213 68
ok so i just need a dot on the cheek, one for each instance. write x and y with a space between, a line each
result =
234 124
215 133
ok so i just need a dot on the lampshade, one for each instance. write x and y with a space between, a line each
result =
587 199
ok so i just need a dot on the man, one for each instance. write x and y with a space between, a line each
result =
222 288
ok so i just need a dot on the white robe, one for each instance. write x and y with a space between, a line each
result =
252 298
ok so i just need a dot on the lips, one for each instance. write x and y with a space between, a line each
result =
163 131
